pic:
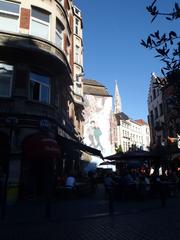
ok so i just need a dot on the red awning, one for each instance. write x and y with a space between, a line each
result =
41 146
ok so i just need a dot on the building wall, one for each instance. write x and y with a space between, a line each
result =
155 112
131 134
76 59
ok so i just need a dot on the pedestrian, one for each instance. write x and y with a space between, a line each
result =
163 190
109 188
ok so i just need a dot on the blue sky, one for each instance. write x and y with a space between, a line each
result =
112 32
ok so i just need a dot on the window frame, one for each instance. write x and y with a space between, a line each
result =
11 81
31 79
57 33
10 13
77 54
41 22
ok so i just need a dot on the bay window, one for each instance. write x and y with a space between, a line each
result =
9 16
40 23
39 88
6 75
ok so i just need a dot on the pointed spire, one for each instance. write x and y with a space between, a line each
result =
117 100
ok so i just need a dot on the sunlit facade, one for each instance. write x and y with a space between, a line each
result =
131 134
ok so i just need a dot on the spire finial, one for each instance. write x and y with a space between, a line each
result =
117 100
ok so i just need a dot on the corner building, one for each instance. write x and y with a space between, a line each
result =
37 98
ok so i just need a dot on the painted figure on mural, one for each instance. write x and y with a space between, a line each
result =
97 134
94 133
90 134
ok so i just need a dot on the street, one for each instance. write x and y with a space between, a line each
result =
88 218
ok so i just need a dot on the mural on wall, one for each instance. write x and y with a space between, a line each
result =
98 122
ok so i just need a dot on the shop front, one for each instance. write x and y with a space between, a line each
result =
40 154
71 154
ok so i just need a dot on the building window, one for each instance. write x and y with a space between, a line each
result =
59 34
6 76
39 88
40 23
160 109
76 11
77 54
154 93
156 112
152 118
77 26
9 16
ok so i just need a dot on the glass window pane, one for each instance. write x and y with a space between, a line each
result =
5 82
45 94
8 22
34 90
59 27
40 14
58 40
39 29
39 78
6 72
9 6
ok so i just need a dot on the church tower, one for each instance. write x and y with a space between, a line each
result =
117 100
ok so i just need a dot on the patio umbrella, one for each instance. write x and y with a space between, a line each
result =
140 154
107 163
114 156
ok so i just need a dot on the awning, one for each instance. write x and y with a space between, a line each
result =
80 146
41 146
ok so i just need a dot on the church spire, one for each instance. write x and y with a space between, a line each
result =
117 100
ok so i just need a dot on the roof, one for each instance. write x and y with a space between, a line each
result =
94 87
141 122
122 116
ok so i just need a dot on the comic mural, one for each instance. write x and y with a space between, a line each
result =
98 122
